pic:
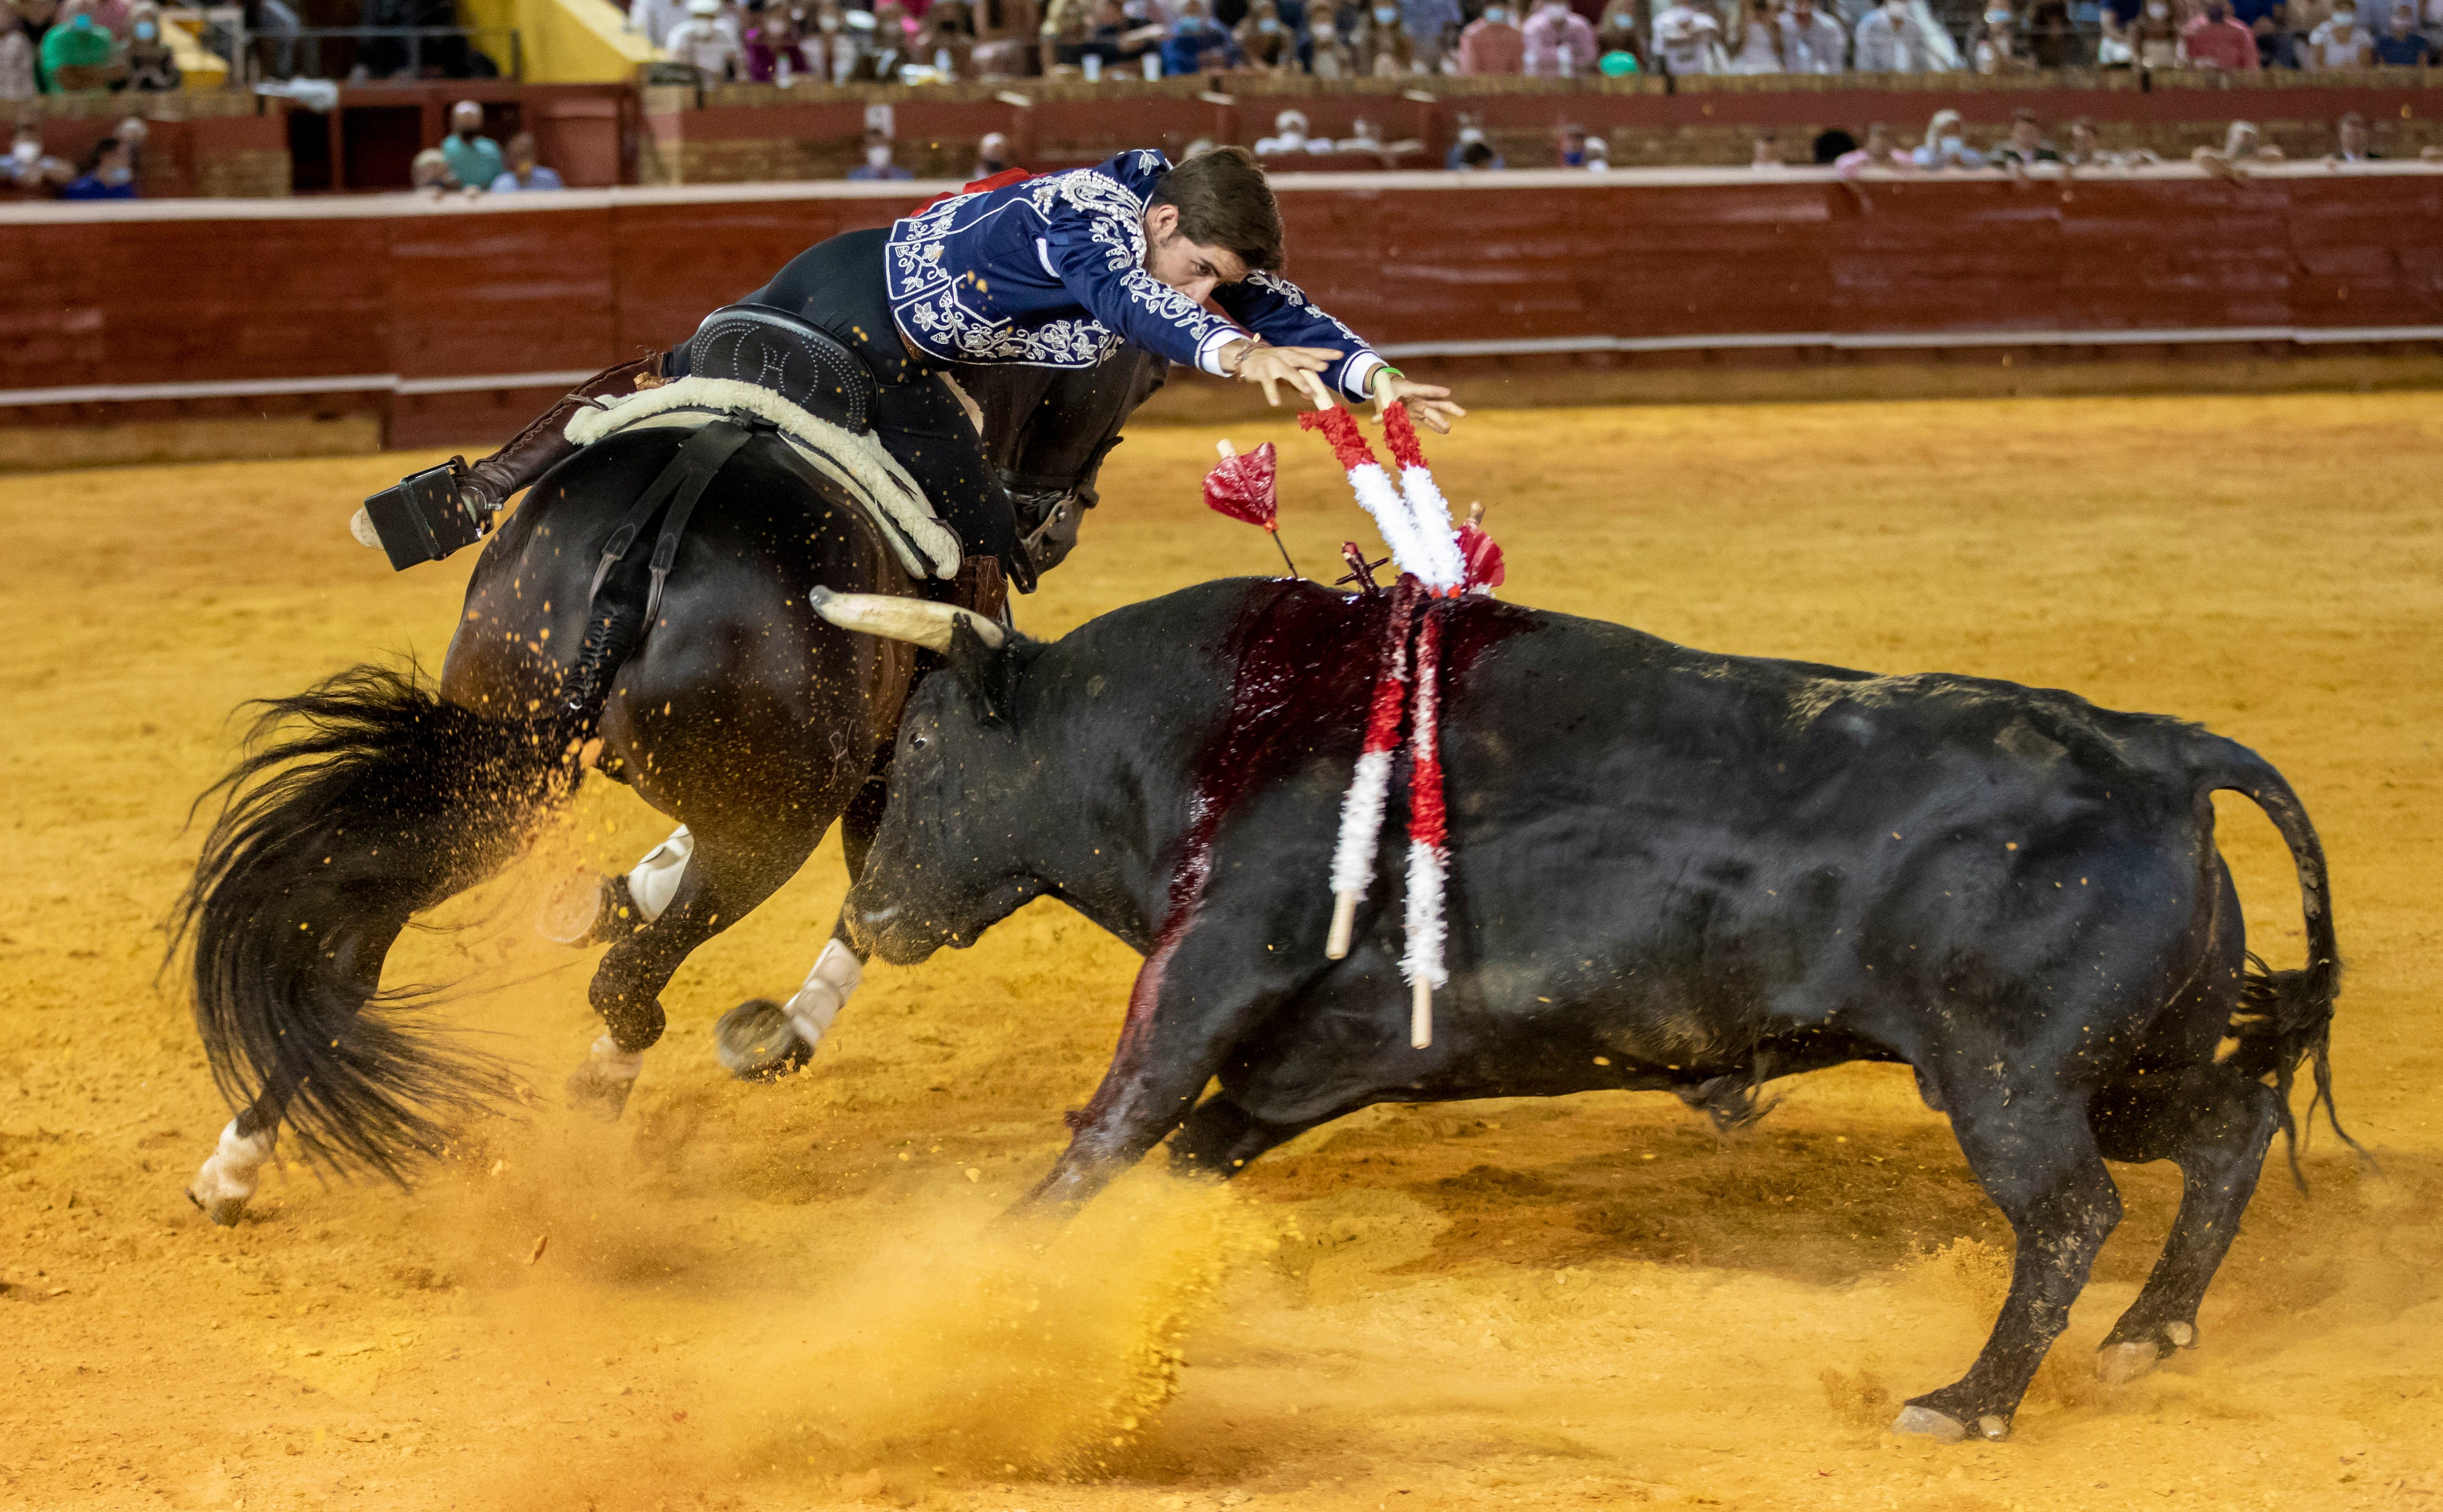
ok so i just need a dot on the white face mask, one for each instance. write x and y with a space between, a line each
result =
879 156
1268 25
27 152
1323 31
116 176
2345 19
2157 10
1385 15
1495 14
1997 17
827 23
1951 144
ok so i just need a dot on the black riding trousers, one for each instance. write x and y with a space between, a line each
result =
836 286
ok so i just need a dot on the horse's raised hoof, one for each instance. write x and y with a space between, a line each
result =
572 911
1927 1423
602 1082
755 1042
2120 1364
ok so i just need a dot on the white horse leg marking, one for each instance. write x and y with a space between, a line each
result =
825 993
602 1081
656 880
227 1179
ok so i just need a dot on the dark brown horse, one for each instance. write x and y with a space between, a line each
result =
377 794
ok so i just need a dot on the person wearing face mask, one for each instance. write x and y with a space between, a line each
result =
1560 42
1197 43
877 167
108 174
2155 34
2401 46
1946 144
1265 42
1891 42
1061 270
28 170
1492 44
705 42
1813 39
2340 42
475 160
2213 40
1997 47
151 66
78 53
1687 39
1328 56
1288 135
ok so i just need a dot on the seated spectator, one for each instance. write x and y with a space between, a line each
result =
2354 144
2155 34
946 39
1812 41
1289 137
1197 43
704 42
1569 147
1757 49
2241 149
1619 31
523 175
1687 39
2400 46
877 167
1471 134
1765 155
1891 41
17 78
1831 144
2216 41
430 173
474 159
107 175
1433 28
28 170
1328 56
774 50
1267 44
78 53
2051 34
992 157
1946 145
151 66
1998 47
2026 146
2270 22
1380 42
1491 45
1598 155
1560 42
1475 158
2086 149
1363 137
1880 153
833 46
2340 42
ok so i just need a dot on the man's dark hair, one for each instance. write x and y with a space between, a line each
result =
1830 144
1225 201
1477 155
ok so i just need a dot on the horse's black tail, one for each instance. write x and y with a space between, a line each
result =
356 804
2286 1018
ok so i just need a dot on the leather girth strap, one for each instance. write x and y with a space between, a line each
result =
680 485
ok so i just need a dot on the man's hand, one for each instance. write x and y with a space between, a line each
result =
1300 367
1429 405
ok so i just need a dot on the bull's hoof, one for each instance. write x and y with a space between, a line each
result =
2120 1364
1927 1423
755 1042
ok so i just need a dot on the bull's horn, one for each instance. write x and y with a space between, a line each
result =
919 621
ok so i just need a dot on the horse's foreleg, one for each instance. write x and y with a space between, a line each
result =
729 872
760 1039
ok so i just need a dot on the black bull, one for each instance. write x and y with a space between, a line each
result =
1669 871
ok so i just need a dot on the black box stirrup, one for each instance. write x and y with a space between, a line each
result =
421 518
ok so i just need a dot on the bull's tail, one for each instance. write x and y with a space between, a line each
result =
357 803
2285 1018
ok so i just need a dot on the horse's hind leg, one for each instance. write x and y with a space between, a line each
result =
732 870
2218 1124
226 1183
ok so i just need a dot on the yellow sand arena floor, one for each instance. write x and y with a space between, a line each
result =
788 1297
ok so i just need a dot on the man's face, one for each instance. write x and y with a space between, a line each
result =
2354 137
1172 259
2024 132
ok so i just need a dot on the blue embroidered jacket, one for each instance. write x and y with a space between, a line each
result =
1050 272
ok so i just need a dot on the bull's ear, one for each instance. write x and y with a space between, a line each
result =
987 674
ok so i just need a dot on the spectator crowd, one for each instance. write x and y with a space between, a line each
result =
920 40
81 47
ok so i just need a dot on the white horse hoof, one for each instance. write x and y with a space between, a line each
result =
602 1082
2120 1364
1928 1423
222 1187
